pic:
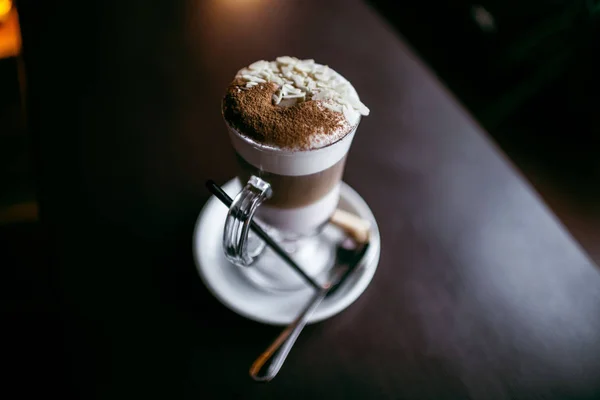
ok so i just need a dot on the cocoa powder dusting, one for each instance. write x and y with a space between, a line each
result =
252 112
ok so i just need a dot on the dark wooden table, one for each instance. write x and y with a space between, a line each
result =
480 292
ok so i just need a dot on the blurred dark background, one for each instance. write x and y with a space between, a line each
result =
527 70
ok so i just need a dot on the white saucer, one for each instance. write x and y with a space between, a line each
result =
228 284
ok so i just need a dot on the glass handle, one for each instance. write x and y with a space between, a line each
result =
240 245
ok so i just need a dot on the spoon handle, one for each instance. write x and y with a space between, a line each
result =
274 356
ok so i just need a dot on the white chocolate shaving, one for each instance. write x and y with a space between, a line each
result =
259 65
253 78
294 96
304 80
286 60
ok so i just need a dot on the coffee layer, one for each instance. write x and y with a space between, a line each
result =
295 191
301 220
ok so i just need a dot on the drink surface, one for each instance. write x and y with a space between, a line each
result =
291 105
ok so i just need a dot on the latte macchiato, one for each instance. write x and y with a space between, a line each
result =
291 123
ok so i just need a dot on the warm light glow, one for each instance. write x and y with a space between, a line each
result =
5 7
238 6
10 34
240 3
239 23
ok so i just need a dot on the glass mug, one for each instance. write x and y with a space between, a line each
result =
291 195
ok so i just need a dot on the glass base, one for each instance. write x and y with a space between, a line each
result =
315 255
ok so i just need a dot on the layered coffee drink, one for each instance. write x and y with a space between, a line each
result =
291 123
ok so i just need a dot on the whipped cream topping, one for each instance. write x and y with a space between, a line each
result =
304 80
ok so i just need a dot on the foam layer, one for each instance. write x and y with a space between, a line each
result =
301 220
291 163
